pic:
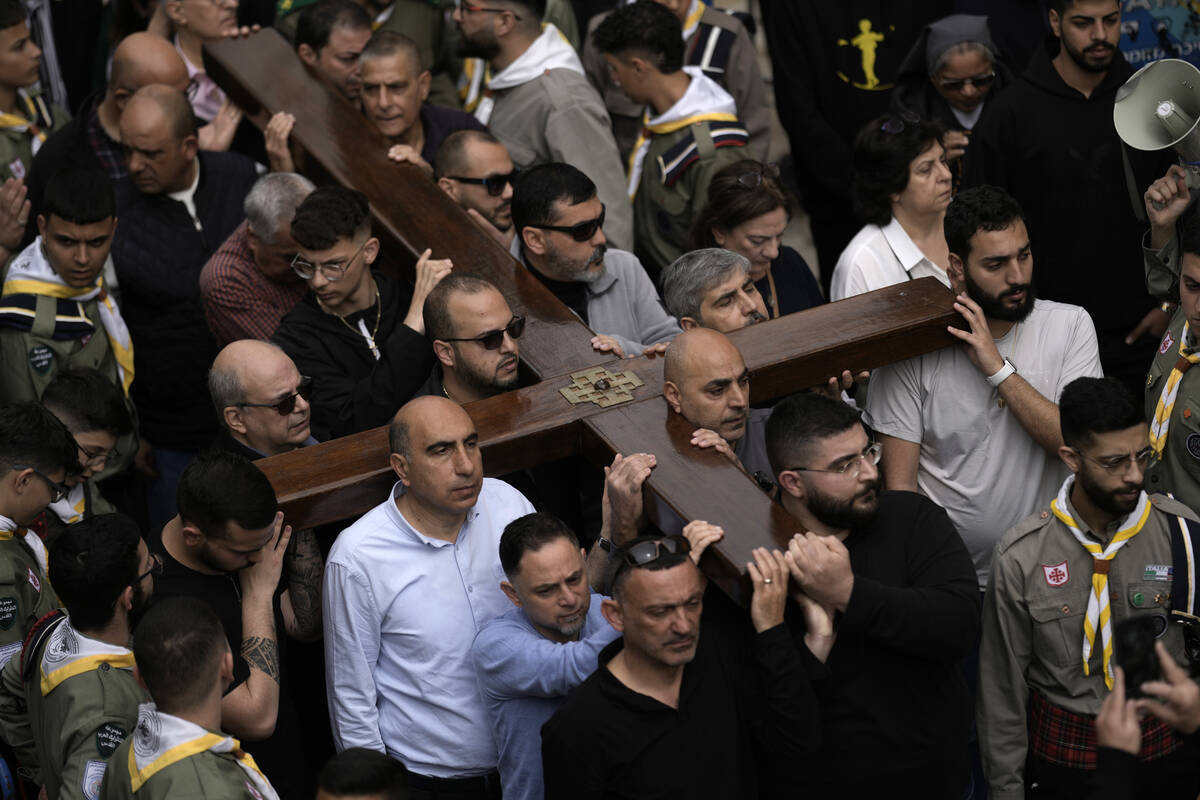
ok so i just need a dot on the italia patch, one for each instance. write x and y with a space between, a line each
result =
1167 341
1193 445
1056 574
109 738
93 776
8 612
1158 572
41 358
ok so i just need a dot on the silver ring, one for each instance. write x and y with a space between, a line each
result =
766 580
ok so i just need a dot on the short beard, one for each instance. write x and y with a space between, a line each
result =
468 48
1104 500
138 604
993 306
842 514
574 628
563 269
1081 59
486 385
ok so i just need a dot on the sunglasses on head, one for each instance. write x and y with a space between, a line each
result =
979 82
645 553
493 339
287 404
493 183
897 124
580 232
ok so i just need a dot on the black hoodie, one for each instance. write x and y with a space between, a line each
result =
1058 153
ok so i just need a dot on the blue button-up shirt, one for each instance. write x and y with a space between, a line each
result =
400 611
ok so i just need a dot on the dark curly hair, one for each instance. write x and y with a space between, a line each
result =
883 152
731 202
646 29
328 214
981 208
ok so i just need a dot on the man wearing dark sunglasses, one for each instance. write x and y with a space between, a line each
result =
72 694
893 569
475 339
474 168
659 717
558 219
262 400
37 453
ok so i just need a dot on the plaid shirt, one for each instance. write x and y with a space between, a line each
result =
1067 739
239 301
110 153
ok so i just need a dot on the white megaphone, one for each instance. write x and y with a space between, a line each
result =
1158 108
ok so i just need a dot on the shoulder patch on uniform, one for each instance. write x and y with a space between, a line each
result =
8 612
93 776
250 790
1167 341
108 738
33 579
681 155
1169 505
1193 445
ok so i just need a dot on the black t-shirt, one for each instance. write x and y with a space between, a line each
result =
279 755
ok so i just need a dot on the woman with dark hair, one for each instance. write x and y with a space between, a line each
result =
950 75
901 191
747 212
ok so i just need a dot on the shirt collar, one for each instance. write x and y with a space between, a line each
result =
183 194
907 253
415 535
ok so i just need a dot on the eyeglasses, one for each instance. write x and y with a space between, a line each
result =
287 404
96 460
1145 458
57 490
580 232
461 6
156 567
899 122
493 339
331 270
851 468
958 84
493 183
754 178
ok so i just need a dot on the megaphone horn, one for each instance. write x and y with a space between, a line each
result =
1158 107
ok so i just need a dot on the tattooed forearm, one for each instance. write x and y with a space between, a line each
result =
304 568
262 654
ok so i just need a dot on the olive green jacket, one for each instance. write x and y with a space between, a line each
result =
16 146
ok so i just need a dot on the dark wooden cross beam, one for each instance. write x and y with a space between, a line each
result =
341 479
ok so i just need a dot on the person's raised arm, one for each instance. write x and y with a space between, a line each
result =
621 510
302 600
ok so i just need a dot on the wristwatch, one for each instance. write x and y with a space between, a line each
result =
1001 374
605 544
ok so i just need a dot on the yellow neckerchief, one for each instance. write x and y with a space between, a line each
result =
15 121
72 507
1166 401
704 100
31 273
69 653
692 19
1098 613
474 84
10 530
164 739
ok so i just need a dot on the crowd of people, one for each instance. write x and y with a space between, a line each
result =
992 587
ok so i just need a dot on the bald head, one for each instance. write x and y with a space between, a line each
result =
250 381
159 131
435 454
142 59
162 107
418 414
705 379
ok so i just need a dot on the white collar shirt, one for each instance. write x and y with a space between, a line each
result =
878 257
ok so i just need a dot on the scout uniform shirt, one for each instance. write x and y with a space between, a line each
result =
25 594
72 700
1177 434
672 164
22 133
168 758
1033 625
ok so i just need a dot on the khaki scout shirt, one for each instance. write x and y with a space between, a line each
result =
1033 625
25 595
663 212
74 728
203 775
1178 472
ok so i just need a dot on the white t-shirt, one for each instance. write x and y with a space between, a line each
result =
977 461
188 197
878 257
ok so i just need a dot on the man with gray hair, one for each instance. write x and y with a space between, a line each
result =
248 285
712 288
261 400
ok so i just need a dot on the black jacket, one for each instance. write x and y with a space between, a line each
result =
158 255
1059 155
352 391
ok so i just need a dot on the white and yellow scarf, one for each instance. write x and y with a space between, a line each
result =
1170 391
550 50
69 653
1099 615
36 124
703 100
161 740
8 530
31 273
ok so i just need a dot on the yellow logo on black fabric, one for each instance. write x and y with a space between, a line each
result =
866 42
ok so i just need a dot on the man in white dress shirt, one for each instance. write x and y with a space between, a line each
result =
407 587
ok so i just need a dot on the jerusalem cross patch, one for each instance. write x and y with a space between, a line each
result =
1056 574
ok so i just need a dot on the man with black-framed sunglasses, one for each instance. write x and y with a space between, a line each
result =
475 170
262 399
558 218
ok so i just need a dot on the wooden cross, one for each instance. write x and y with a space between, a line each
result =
345 477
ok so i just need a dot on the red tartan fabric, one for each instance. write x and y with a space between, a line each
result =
1068 739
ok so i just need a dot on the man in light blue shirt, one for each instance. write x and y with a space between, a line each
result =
407 588
529 659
